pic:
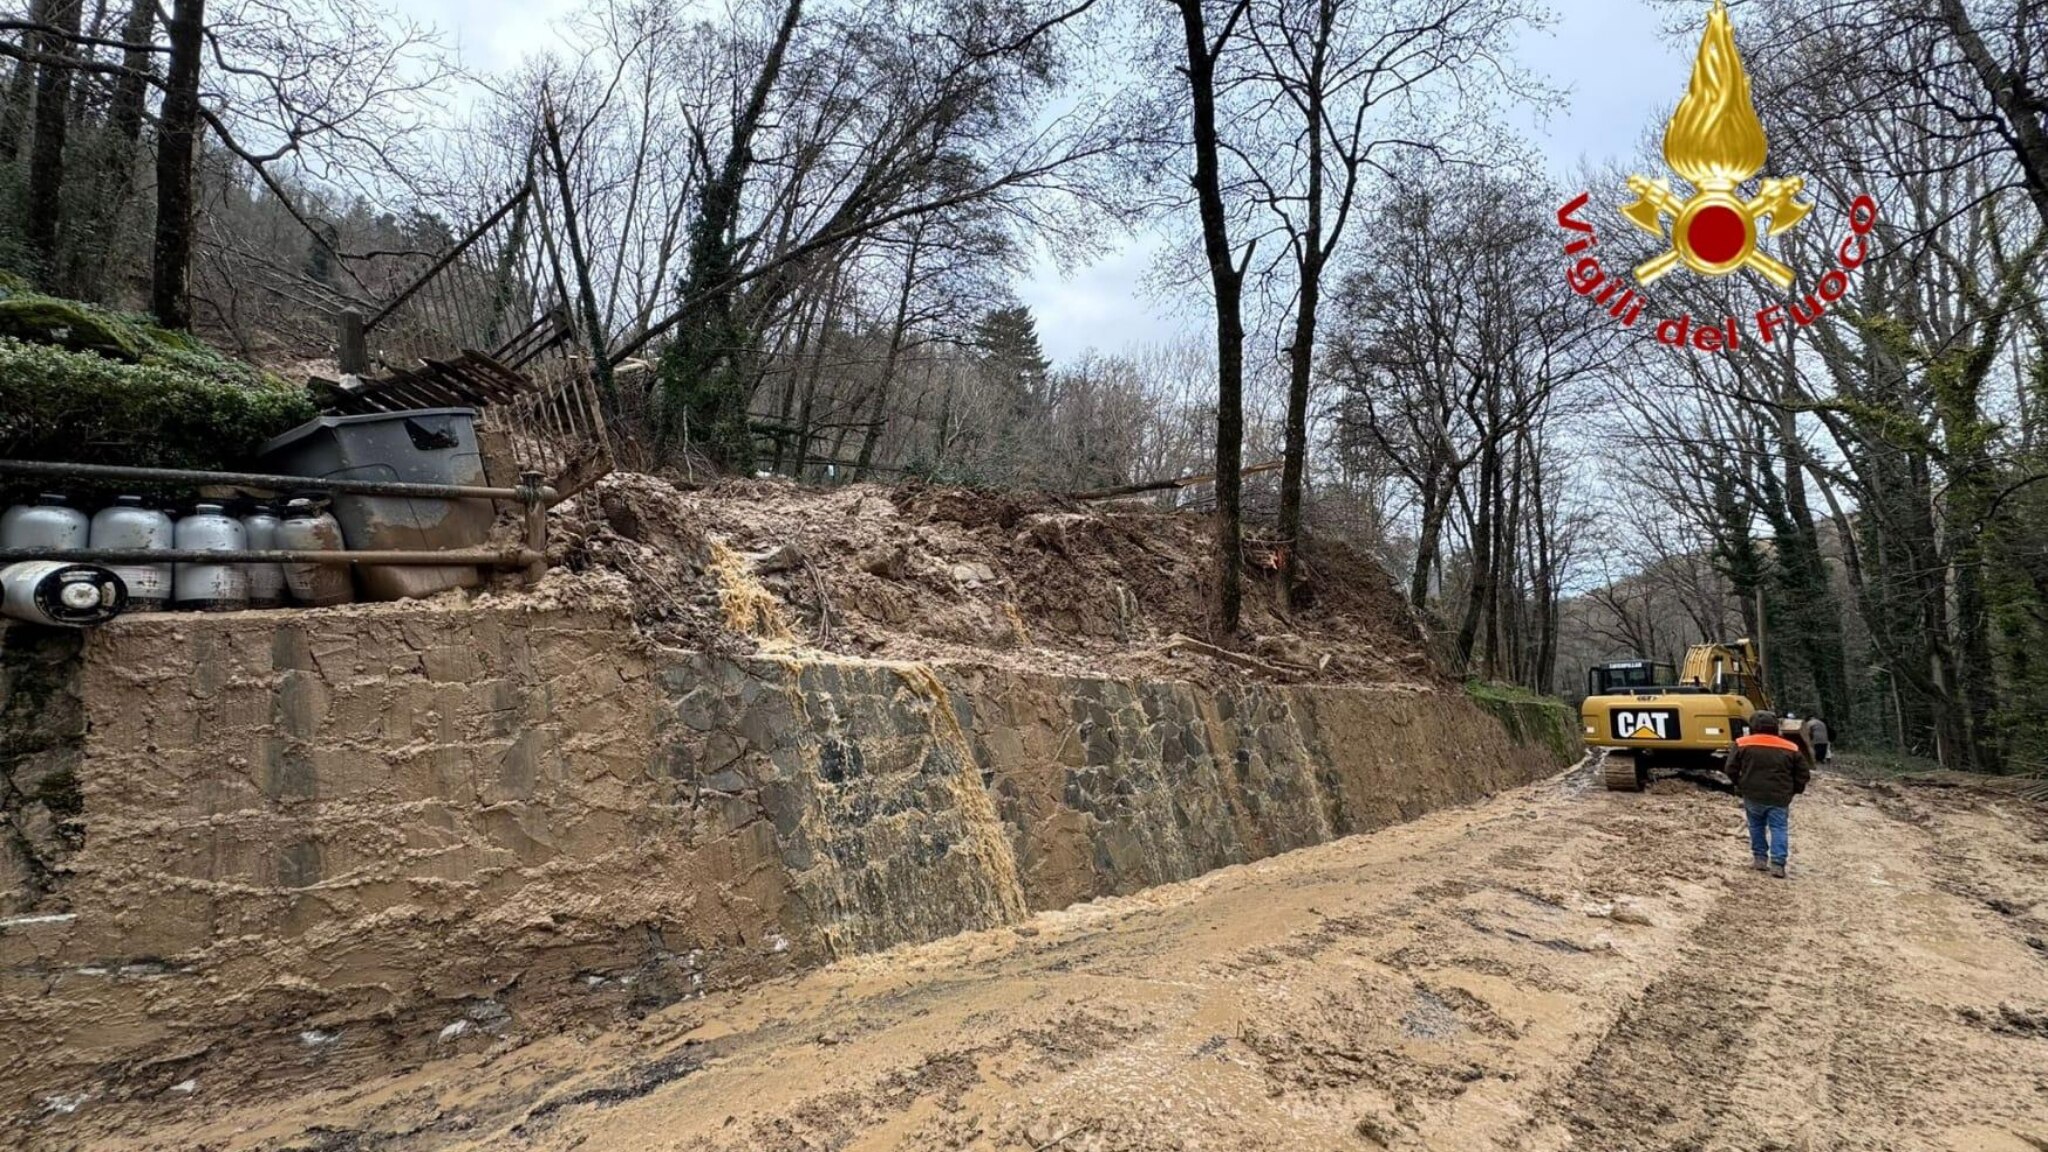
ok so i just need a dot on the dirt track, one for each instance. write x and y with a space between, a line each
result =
1555 968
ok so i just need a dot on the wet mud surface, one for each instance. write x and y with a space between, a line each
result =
1554 968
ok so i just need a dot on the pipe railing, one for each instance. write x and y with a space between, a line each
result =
531 493
491 557
268 482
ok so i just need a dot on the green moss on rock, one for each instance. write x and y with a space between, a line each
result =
185 410
69 325
1530 719
91 385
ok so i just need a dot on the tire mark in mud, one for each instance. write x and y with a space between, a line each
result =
1660 1077
643 1080
2018 900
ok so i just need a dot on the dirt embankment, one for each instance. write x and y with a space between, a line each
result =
303 847
1555 968
1033 583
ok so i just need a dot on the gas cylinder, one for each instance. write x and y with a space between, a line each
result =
210 587
51 522
66 595
127 524
266 581
307 527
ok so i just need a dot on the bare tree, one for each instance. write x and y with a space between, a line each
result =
177 137
60 27
1356 91
1206 37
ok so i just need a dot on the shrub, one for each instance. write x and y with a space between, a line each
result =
91 385
176 407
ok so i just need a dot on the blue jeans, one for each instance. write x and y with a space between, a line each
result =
1769 830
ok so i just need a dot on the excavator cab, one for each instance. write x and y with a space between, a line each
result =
1627 675
1729 669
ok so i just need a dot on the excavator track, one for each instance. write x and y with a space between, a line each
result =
1621 772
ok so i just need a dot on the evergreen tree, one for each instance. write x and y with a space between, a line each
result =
1010 353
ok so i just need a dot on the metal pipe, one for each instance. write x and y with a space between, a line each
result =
536 528
270 483
491 557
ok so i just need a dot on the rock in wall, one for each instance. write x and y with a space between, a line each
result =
357 834
1109 787
42 736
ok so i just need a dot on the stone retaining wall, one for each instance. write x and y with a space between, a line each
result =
366 833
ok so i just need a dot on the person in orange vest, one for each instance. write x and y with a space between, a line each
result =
1768 771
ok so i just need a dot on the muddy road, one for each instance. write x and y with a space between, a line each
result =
1554 968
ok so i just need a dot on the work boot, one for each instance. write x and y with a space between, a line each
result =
1760 864
1778 870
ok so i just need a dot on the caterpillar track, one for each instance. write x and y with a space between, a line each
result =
1621 771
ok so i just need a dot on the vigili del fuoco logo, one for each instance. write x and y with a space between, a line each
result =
1716 143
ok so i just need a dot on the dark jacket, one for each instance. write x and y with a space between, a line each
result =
1768 769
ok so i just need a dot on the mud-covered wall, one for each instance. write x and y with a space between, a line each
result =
356 833
42 736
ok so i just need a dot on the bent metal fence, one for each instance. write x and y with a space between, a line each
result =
479 320
488 325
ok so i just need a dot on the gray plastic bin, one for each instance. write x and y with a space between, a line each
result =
429 446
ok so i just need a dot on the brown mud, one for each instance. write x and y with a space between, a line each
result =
927 574
1557 967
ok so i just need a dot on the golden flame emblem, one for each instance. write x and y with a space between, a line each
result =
1716 142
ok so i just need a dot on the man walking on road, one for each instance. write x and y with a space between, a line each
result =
1768 771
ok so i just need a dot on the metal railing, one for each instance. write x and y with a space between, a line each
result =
495 309
533 496
492 300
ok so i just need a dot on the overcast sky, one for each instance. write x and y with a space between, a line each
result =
1611 55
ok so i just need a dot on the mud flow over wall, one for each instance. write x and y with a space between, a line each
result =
301 844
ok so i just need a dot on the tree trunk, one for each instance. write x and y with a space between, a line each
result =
1819 614
45 208
1227 279
94 264
177 141
2024 131
1435 506
131 91
586 291
1301 354
1544 670
873 431
804 322
700 370
21 88
817 372
1507 502
1480 591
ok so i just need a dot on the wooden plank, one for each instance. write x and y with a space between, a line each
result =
486 376
534 332
480 393
410 391
516 384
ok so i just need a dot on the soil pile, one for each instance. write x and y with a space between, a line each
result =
924 573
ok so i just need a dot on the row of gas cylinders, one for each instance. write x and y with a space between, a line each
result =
74 594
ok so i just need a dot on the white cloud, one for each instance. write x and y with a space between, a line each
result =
494 34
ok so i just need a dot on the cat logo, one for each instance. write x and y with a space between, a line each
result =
1646 724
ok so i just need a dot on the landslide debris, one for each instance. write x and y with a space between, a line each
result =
927 573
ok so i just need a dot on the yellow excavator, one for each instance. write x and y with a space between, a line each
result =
1641 715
